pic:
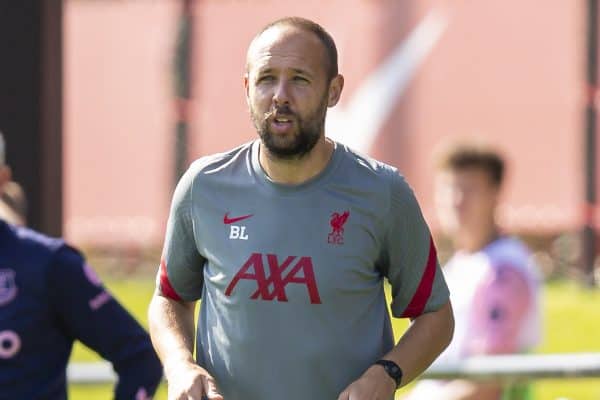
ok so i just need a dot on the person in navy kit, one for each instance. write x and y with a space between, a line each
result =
50 297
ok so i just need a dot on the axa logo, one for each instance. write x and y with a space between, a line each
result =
8 286
291 270
337 221
236 231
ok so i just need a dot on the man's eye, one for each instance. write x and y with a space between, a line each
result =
300 79
266 78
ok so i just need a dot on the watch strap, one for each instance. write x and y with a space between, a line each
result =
392 369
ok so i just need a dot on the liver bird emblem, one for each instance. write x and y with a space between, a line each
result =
337 227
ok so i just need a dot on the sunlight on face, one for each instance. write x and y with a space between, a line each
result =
464 199
287 90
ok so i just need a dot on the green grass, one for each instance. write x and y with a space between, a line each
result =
571 324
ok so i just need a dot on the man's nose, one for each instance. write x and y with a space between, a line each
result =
281 93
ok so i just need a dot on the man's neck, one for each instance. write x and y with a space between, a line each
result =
298 170
473 241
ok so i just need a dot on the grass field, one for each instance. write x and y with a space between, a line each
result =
571 322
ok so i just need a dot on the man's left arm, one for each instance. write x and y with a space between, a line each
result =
419 292
427 336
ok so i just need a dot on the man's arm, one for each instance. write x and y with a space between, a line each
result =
172 331
409 261
427 336
179 285
425 339
87 312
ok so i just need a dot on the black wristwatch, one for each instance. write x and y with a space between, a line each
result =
392 369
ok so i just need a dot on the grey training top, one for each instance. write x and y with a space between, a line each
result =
291 277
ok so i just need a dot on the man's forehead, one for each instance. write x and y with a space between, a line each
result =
466 175
274 35
271 40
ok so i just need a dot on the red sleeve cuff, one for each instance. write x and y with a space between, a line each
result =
165 286
421 296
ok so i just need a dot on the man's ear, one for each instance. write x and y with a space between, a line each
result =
247 87
335 90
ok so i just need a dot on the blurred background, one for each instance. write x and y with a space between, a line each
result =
103 104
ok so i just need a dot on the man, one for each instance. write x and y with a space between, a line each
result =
287 240
13 203
10 212
50 297
493 283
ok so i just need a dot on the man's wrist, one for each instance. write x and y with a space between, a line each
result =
392 370
174 363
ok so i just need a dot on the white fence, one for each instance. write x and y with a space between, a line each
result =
521 367
498 368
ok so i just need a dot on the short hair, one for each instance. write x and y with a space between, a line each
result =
461 156
310 26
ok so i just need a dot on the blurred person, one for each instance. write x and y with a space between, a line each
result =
50 297
13 203
287 240
494 285
7 191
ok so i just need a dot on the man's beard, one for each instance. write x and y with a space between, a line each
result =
302 142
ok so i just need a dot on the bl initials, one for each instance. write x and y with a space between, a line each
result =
237 232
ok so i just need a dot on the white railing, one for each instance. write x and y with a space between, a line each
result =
91 372
497 368
520 367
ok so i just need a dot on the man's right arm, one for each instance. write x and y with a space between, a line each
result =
171 325
172 330
179 285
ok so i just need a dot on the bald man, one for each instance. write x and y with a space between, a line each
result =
287 241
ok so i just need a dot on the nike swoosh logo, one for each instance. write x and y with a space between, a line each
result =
359 123
227 220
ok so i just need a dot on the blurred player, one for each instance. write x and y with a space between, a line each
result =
50 297
13 204
12 201
287 240
494 286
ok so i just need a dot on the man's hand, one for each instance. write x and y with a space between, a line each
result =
191 382
374 384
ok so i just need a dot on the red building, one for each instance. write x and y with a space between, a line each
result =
417 72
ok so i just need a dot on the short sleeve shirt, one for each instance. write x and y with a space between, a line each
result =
291 276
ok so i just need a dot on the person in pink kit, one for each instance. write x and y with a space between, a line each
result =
493 283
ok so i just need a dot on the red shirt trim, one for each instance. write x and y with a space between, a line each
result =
421 296
165 285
